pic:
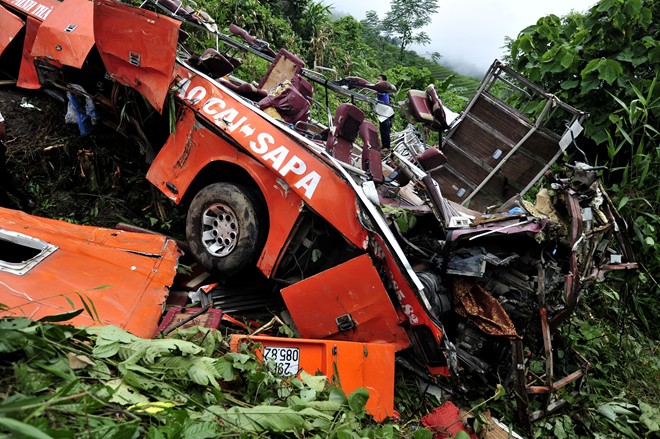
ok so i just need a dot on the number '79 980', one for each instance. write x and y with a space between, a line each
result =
284 360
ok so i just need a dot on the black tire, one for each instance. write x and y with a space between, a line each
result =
224 227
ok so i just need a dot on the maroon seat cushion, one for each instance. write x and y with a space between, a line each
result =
420 107
371 155
290 104
347 121
213 63
439 117
247 90
431 159
339 148
303 86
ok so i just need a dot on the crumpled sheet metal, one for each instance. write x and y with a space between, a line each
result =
142 56
124 276
481 309
67 34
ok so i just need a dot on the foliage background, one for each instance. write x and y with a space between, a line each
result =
605 62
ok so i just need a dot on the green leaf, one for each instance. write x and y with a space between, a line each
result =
110 334
202 430
106 350
567 60
461 434
61 317
567 85
23 429
422 433
609 70
650 417
559 431
357 401
16 324
316 382
500 391
12 341
263 418
225 369
592 66
124 394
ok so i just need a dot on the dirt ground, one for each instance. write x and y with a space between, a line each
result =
99 180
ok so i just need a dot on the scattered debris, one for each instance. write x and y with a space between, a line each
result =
431 251
53 268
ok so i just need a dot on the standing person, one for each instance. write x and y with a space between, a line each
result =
8 182
386 124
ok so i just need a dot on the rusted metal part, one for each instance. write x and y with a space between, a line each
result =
573 281
520 384
551 386
123 277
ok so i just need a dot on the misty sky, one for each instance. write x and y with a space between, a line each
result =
469 34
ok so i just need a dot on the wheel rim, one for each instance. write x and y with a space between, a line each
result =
220 229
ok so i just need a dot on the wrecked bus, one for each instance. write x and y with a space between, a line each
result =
430 249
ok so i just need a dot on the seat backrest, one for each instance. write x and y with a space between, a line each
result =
215 64
303 86
245 89
425 107
439 116
347 121
371 151
419 106
290 104
431 159
283 68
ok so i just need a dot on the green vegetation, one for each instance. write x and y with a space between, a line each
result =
606 63
64 382
105 382
405 17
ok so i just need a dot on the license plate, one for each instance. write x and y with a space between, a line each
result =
285 361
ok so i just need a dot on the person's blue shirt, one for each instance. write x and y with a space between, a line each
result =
383 97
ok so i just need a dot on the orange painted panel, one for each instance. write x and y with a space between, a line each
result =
67 34
138 48
27 75
124 275
353 288
305 171
37 9
191 147
10 25
351 365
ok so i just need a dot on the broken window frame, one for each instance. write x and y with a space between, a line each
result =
21 268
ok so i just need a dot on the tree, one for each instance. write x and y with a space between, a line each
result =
590 58
606 63
405 18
